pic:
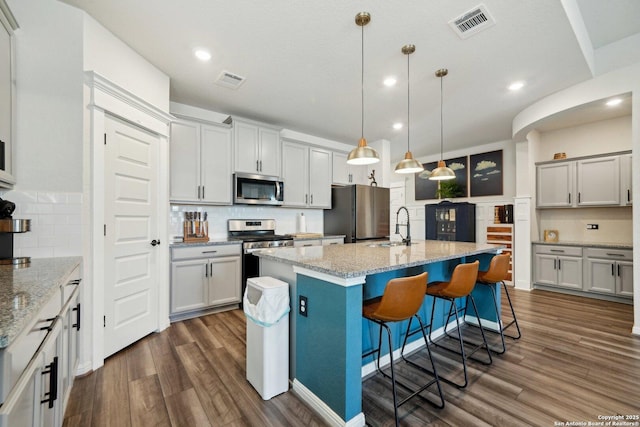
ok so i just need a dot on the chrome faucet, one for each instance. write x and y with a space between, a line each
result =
405 240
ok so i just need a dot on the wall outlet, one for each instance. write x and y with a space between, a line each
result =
303 306
592 226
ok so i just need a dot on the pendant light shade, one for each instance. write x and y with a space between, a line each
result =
362 154
409 164
442 172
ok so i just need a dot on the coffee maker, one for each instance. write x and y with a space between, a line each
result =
9 226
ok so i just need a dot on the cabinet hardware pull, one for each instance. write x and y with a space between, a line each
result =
579 194
203 191
257 166
206 270
50 327
260 165
612 271
618 270
74 282
311 199
614 254
554 264
209 252
306 199
569 198
210 269
559 265
557 250
77 310
52 370
198 192
628 195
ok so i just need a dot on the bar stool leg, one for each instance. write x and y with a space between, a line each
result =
498 317
513 313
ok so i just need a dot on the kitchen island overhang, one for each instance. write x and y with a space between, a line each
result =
328 341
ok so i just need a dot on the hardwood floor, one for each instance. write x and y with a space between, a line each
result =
576 360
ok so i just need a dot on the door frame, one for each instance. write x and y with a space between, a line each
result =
101 98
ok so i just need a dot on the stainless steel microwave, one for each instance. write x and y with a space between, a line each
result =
252 189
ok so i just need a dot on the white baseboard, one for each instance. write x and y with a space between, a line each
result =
323 410
473 320
635 330
83 368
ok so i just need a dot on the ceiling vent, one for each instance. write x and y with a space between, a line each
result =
230 80
472 22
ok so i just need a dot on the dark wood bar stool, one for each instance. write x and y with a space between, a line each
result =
497 273
462 282
400 301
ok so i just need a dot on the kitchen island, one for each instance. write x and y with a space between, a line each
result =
328 340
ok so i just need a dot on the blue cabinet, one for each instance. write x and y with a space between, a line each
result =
451 221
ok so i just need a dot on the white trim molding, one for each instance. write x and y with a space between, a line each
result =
321 408
346 282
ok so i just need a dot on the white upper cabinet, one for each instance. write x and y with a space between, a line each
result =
201 159
306 172
598 181
555 185
626 183
584 182
7 98
345 174
257 149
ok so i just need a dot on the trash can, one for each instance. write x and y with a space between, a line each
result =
266 306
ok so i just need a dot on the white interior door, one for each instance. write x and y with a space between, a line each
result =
131 224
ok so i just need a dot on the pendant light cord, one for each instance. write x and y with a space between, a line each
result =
408 110
362 82
441 132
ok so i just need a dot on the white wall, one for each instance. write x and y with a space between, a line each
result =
48 146
113 59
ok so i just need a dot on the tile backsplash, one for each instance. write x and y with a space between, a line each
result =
56 223
286 218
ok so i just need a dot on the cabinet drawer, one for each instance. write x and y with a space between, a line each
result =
302 243
615 254
211 251
335 241
559 250
73 281
14 359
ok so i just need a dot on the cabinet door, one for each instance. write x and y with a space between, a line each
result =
269 154
22 406
601 276
246 147
340 173
319 178
624 284
184 151
555 185
545 272
6 98
216 158
626 183
295 174
189 281
599 181
225 282
51 380
570 272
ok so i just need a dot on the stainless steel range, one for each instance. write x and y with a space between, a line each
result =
255 234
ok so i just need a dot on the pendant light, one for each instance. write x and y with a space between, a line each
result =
442 172
362 154
409 164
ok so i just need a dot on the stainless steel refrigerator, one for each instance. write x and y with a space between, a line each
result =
360 212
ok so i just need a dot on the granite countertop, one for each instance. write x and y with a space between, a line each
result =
215 242
24 291
606 245
360 259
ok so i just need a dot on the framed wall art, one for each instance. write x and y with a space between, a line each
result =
486 174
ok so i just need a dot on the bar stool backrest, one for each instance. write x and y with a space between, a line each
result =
463 279
402 298
498 270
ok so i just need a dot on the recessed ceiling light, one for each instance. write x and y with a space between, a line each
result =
516 86
397 126
202 54
390 81
613 102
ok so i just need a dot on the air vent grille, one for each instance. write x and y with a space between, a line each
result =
472 22
230 80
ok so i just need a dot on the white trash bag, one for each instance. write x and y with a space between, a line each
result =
266 300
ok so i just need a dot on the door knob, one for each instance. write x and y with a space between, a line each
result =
155 242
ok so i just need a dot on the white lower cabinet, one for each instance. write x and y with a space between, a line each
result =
39 395
205 277
610 271
559 266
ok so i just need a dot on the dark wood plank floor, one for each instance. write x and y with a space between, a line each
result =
576 360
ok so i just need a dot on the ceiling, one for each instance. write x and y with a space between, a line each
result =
302 61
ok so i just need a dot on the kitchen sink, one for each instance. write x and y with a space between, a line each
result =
386 244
